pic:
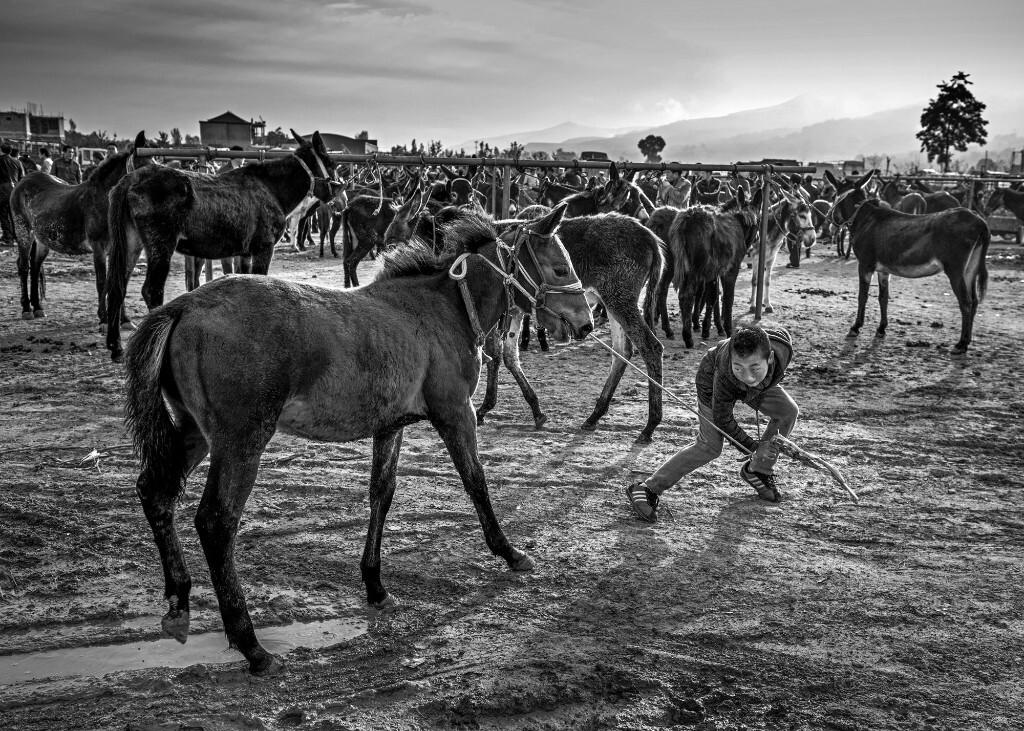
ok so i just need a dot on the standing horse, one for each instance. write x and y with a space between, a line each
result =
908 201
789 222
219 370
890 242
935 200
616 258
71 219
1011 200
239 213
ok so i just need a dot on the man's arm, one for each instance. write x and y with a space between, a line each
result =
723 405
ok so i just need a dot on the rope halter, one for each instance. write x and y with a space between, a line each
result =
312 178
511 270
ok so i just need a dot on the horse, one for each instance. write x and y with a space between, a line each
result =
238 213
789 222
420 218
616 258
935 201
72 219
891 242
707 246
219 370
1011 200
550 192
907 201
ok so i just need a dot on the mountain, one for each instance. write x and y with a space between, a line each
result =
556 134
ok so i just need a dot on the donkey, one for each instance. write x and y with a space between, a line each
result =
551 193
219 370
790 223
936 200
239 213
419 218
616 258
72 219
891 242
1011 200
908 201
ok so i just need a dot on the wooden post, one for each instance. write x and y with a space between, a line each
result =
765 198
506 190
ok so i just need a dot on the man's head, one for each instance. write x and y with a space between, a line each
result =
5 149
672 176
68 152
44 152
111 150
751 355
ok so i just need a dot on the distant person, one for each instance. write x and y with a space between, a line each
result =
11 172
45 161
97 158
707 185
67 167
674 190
111 149
27 163
572 178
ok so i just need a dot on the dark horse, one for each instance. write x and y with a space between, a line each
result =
71 219
219 370
616 258
240 213
1011 200
890 242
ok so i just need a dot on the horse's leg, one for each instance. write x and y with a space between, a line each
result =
158 496
158 265
728 281
663 285
770 258
542 339
227 265
26 248
99 265
39 253
386 447
864 274
524 342
755 263
883 303
234 463
622 346
492 349
687 295
633 331
192 267
335 225
510 354
457 427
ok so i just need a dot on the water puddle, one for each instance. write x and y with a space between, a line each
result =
204 647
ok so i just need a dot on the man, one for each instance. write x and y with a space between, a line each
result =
67 167
707 186
45 162
674 190
11 172
111 149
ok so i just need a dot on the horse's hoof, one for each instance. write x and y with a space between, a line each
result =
266 666
588 426
387 604
879 333
853 333
38 313
175 624
521 561
27 316
670 336
117 355
959 349
768 310
129 325
644 438
540 421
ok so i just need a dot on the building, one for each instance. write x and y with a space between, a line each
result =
34 129
359 145
227 130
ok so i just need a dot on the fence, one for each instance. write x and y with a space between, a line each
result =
507 165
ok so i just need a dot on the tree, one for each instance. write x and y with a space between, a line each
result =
193 140
651 147
540 155
276 137
176 137
952 120
163 139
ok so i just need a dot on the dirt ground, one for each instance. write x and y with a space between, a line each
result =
902 613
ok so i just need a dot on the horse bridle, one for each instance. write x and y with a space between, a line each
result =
510 271
312 178
831 217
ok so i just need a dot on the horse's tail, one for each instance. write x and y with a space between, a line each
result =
118 261
696 224
982 281
650 304
158 443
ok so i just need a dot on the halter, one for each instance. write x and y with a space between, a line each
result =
831 217
313 178
510 272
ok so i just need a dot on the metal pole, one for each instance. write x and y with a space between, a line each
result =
506 196
761 244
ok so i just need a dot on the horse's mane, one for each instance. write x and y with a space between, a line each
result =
466 233
115 164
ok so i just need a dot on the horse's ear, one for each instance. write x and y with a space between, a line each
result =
140 141
318 144
547 224
830 178
865 179
755 200
297 136
592 183
741 197
613 173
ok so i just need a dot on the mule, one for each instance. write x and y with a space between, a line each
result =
891 242
616 258
72 219
238 213
908 201
1011 200
790 223
219 370
936 200
550 192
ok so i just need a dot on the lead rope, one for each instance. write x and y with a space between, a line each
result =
786 446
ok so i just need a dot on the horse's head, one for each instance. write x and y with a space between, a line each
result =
460 192
619 195
848 201
313 155
994 201
545 278
403 224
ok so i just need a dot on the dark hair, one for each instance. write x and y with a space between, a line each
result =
44 151
66 148
237 148
748 340
5 149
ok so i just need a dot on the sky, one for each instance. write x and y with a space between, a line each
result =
459 70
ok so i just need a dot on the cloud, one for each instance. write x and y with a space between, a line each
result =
392 8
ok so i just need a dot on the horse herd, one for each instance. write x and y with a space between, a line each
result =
216 372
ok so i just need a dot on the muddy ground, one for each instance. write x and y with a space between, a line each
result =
902 613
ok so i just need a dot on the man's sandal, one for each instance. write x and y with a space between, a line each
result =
643 502
763 482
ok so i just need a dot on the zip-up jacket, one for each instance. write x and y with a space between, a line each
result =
719 390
